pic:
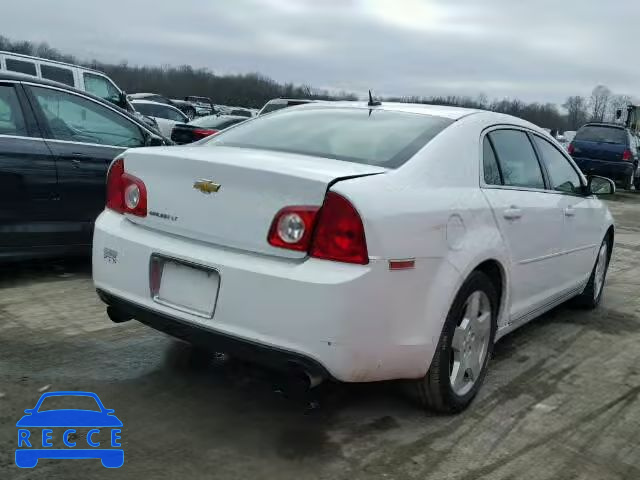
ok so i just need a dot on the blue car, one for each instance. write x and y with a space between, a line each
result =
100 418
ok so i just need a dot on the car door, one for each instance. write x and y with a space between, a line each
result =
582 216
530 219
84 135
28 185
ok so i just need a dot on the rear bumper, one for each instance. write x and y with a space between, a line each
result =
355 323
620 171
273 357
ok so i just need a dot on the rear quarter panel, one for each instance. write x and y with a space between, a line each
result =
433 210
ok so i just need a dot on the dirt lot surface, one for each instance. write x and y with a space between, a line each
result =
561 401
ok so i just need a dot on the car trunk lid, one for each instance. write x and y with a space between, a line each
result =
252 186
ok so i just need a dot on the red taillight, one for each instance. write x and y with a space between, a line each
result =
200 133
339 233
292 228
331 232
571 149
125 193
627 155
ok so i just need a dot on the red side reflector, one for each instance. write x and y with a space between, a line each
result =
571 149
627 155
402 264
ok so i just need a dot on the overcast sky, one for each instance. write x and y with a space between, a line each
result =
536 50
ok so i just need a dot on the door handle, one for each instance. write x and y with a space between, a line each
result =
569 211
512 213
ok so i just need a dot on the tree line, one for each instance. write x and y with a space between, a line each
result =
254 90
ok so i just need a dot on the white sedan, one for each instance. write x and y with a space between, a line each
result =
355 242
165 115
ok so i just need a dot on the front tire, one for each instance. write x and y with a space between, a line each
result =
460 362
592 294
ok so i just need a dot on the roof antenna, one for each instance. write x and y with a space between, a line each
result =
372 102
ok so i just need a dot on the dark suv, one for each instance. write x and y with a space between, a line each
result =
608 150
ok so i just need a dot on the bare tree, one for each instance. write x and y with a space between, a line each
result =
599 103
576 111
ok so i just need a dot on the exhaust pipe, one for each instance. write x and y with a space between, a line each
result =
308 379
118 316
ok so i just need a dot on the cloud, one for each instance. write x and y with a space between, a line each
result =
543 51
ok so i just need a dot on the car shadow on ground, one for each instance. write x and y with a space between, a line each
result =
15 274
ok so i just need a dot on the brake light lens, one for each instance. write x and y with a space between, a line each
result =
627 155
571 149
125 193
339 232
292 228
200 133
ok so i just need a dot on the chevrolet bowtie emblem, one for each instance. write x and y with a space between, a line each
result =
206 186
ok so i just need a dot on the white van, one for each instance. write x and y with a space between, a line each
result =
91 81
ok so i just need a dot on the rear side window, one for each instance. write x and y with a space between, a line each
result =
518 161
11 117
490 163
602 134
21 66
144 109
373 137
57 74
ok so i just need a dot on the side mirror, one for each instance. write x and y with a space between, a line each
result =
601 186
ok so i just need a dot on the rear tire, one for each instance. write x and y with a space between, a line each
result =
592 294
436 390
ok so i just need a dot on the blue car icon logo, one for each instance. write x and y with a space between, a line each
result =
66 427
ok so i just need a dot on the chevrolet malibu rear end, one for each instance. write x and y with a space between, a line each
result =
348 241
258 253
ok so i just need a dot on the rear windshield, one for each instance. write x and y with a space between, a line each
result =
373 137
602 134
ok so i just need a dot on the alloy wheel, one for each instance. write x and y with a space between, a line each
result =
601 269
470 343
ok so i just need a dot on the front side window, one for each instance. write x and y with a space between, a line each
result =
144 109
517 159
170 114
57 74
100 87
374 137
11 117
21 66
564 178
76 119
